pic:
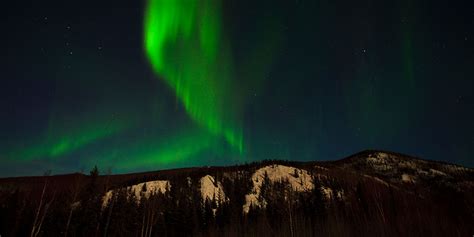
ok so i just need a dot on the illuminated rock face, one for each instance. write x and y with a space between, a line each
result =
212 190
303 182
151 187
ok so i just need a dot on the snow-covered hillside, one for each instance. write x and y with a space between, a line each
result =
398 168
372 193
210 189
145 189
299 179
389 169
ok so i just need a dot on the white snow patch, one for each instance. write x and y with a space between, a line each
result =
75 205
211 189
299 179
437 172
152 187
422 172
327 192
454 168
408 178
407 164
320 167
106 198
379 161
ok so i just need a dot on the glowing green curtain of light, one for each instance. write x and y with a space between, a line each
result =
184 44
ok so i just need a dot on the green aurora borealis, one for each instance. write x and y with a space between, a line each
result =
184 44
155 84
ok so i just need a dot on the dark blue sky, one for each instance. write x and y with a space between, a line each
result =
337 77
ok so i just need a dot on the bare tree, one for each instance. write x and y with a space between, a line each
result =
111 207
72 205
42 208
149 216
112 202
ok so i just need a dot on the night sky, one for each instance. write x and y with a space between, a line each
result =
145 85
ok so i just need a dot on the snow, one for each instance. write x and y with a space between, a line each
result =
250 199
379 161
408 178
303 181
75 205
190 182
300 182
211 189
422 172
320 167
152 187
455 168
107 197
382 161
437 172
407 164
327 192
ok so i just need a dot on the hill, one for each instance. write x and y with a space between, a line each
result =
371 193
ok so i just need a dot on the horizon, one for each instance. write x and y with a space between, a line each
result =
109 172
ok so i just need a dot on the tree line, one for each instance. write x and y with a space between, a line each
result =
364 208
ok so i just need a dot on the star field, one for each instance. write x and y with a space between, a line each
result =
138 86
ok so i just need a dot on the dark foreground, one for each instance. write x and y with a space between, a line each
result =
369 194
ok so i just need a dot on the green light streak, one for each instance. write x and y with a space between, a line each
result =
60 141
65 144
185 147
161 152
184 45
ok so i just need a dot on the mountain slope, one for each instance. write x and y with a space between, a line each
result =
372 193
